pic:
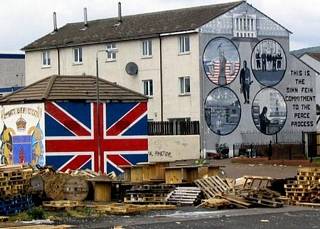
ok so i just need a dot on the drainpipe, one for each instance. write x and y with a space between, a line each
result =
58 61
161 80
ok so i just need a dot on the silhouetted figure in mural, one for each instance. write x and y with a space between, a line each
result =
264 121
274 62
258 61
264 61
279 61
245 82
222 80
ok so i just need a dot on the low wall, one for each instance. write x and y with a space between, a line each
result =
174 147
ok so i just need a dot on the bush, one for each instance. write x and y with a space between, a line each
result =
36 213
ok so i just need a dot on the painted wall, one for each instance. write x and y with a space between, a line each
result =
172 148
22 134
286 89
174 66
78 136
65 135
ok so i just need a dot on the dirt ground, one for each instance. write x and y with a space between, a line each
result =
236 170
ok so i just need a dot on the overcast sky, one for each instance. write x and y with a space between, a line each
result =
23 21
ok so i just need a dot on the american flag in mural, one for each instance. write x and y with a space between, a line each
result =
232 69
77 132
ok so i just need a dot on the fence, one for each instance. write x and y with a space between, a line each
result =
174 128
292 151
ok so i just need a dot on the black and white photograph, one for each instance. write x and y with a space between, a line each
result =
221 61
222 111
268 62
269 111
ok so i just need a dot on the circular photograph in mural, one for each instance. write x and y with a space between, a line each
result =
222 111
221 61
269 111
268 62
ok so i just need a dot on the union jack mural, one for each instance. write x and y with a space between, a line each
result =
80 136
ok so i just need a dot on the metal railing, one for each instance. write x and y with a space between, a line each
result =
174 128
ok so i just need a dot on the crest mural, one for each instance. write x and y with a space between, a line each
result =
22 131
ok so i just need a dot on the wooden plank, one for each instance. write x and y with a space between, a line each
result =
237 201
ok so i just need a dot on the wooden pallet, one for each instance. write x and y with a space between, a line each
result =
184 195
306 187
61 204
212 186
148 194
4 218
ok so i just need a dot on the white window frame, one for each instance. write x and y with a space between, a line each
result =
147 48
46 61
79 58
148 87
183 84
112 50
184 44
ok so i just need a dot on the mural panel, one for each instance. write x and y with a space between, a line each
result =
222 111
22 128
221 61
268 62
269 111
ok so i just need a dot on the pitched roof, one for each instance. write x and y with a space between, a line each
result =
315 56
71 88
132 27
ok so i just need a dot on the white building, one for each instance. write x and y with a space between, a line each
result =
169 56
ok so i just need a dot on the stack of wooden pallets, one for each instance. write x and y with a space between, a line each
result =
185 196
14 189
307 186
213 186
145 194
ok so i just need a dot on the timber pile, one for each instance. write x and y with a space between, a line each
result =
14 189
71 185
126 209
185 196
147 194
252 191
14 180
256 191
61 204
213 186
306 188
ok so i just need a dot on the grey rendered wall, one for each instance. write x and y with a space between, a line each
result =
12 72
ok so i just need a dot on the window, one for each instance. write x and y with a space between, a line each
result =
184 85
244 25
184 43
46 58
77 55
147 48
111 52
148 87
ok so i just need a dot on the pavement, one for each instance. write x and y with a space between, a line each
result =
236 170
285 218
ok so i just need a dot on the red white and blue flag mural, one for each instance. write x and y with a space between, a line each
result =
83 136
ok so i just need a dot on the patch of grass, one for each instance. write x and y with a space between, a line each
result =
316 160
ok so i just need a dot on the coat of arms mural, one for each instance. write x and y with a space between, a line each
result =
22 131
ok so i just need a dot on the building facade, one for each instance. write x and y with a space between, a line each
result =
12 72
226 65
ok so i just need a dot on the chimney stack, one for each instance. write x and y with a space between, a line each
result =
55 27
85 16
119 13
